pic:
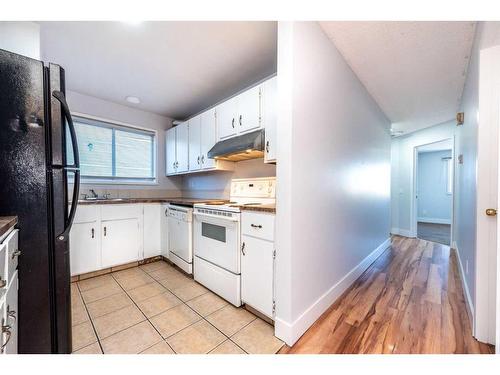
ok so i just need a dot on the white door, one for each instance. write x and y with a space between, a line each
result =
170 150
257 274
269 104
248 104
84 254
194 143
208 137
120 242
226 119
12 315
182 145
152 230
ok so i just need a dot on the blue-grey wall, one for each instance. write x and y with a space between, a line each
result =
434 203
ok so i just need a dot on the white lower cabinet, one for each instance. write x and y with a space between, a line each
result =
152 230
85 254
120 242
164 230
9 318
257 262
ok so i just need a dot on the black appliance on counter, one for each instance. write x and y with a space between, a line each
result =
34 119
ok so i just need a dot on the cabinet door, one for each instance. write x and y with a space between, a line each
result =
120 242
164 230
257 274
248 104
12 315
182 145
170 150
84 254
208 137
152 230
269 103
194 144
226 119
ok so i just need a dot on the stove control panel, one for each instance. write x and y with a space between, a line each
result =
263 187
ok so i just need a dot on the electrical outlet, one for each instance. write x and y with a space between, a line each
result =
467 266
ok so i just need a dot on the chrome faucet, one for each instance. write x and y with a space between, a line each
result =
93 194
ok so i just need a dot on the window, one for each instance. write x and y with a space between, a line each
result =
449 171
111 152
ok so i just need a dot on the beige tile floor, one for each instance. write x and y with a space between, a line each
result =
156 309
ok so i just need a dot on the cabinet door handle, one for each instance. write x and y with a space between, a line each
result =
241 117
16 254
198 160
203 159
256 226
92 232
3 283
232 123
105 231
6 329
243 248
267 147
11 313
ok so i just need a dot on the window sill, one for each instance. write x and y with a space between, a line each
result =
87 181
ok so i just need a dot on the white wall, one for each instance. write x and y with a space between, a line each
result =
20 37
333 177
434 202
217 185
402 164
167 186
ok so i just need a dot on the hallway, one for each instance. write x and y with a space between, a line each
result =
410 300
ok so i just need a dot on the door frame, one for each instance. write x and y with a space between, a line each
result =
414 184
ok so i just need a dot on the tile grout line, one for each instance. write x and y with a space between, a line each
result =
137 306
90 319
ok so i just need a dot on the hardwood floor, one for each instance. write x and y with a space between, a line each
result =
434 232
410 300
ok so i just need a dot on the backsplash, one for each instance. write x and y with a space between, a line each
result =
217 185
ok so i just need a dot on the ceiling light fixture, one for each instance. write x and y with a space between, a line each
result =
133 99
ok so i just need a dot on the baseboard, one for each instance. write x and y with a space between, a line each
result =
433 220
401 232
465 286
290 333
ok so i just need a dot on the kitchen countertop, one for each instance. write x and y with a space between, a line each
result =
7 222
260 208
180 201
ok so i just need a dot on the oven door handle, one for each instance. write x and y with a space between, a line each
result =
225 218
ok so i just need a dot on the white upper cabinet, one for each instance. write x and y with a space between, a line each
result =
269 105
170 153
182 146
194 143
248 110
177 149
208 137
226 119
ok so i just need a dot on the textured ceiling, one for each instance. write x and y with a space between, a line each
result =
176 68
414 70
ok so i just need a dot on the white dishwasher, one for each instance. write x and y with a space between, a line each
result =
180 237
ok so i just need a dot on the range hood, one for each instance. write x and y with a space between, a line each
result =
243 147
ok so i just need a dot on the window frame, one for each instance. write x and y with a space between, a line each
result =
118 125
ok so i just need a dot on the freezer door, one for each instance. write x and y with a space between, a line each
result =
24 192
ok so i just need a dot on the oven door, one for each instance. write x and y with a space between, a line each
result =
217 240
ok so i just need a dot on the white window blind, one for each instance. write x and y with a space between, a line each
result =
112 152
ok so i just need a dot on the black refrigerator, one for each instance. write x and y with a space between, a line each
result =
34 123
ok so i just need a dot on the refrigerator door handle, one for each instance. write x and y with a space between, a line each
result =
75 168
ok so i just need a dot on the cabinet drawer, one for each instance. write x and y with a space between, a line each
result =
3 269
12 254
120 211
86 214
260 225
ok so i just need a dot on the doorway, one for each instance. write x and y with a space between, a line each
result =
433 212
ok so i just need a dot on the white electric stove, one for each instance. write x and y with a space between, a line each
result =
217 236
